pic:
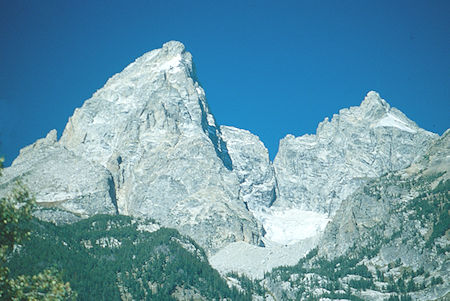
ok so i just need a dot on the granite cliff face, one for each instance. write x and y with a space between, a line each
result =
389 240
59 177
317 172
151 127
409 206
145 144
251 163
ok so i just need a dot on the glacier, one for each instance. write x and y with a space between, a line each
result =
290 226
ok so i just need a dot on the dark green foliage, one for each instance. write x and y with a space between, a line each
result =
442 187
142 261
15 214
420 271
312 253
405 283
362 270
361 284
411 286
430 209
442 224
248 285
380 276
433 206
330 272
437 280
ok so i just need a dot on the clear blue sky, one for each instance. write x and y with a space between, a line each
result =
272 67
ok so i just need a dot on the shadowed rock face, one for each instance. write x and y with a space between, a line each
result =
317 172
153 149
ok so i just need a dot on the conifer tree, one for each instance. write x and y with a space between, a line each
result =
15 212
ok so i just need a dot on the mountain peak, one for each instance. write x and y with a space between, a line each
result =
175 47
151 128
360 142
373 104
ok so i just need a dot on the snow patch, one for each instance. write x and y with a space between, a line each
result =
98 120
200 91
172 63
308 143
393 121
289 226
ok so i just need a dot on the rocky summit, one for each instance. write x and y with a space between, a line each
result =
346 208
146 144
389 240
317 172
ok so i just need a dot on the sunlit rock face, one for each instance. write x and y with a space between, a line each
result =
146 144
58 177
151 133
316 172
390 203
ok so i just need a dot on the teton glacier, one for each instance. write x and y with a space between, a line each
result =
147 145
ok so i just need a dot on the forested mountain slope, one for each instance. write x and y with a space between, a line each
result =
120 258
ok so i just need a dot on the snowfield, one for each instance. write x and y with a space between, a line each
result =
290 235
289 226
392 121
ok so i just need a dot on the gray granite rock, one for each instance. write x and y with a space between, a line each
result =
317 172
251 163
402 213
59 178
147 144
389 201
393 229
